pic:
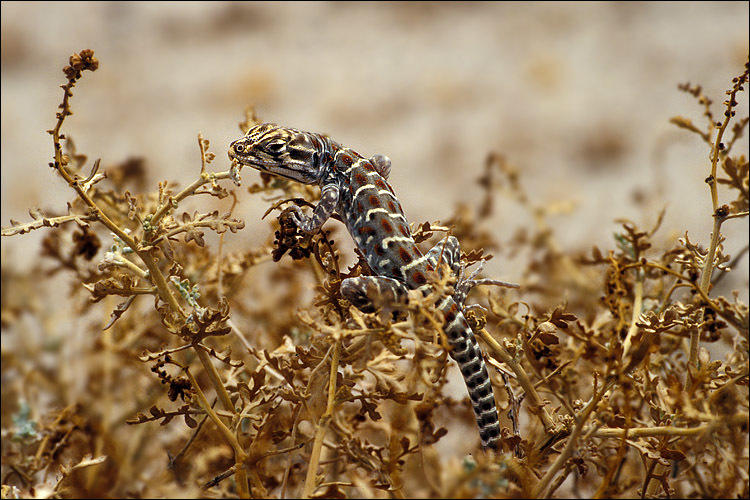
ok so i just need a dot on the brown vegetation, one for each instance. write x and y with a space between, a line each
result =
260 390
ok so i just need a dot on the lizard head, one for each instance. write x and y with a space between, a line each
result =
281 151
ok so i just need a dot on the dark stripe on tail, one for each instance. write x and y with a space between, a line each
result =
467 353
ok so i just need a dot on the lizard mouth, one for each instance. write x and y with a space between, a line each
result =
257 165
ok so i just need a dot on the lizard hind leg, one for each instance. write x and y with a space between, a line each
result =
465 284
382 165
447 250
370 294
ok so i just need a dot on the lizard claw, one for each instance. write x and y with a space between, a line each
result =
465 284
299 218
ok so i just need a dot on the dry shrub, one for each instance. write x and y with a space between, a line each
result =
217 376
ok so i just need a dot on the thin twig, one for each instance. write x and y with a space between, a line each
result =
570 447
532 395
718 218
637 306
18 228
738 419
323 423
239 452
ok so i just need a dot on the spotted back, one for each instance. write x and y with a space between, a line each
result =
374 217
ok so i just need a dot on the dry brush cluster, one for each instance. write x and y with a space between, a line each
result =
204 372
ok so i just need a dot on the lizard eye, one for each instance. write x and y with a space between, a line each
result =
239 148
275 147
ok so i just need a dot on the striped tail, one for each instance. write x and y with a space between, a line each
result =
467 353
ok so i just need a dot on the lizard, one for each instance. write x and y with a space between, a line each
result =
356 188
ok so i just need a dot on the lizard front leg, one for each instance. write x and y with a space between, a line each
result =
465 284
329 198
375 293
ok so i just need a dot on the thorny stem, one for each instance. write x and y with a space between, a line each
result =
172 201
293 438
155 274
634 432
708 264
715 153
180 229
618 460
637 306
323 423
46 221
570 446
213 374
202 145
705 279
534 400
239 452
125 262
